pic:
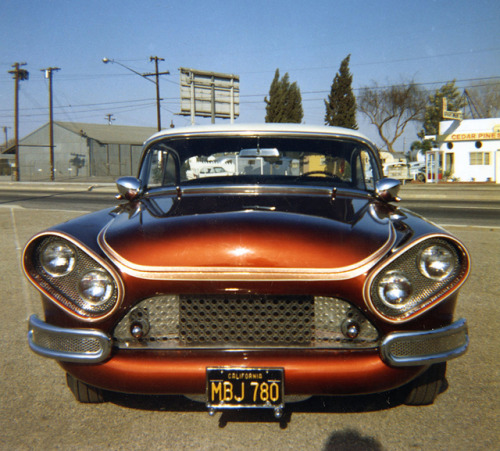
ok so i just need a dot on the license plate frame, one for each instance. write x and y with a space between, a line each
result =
245 388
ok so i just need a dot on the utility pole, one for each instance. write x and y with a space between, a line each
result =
48 74
157 75
110 118
19 74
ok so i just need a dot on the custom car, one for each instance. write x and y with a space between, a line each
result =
294 274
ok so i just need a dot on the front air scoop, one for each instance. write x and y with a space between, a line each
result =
244 245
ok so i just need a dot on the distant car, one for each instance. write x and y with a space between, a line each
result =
215 171
251 288
417 171
398 170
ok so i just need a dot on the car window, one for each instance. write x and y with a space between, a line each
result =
162 168
364 169
283 160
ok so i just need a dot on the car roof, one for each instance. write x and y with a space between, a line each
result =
297 129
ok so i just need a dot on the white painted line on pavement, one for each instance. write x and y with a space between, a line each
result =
24 282
451 207
469 226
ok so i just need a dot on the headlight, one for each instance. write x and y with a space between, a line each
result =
96 287
57 258
72 276
416 277
394 289
436 262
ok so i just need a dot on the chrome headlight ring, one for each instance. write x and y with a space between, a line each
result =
416 278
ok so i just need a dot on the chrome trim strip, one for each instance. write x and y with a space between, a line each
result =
371 277
60 334
245 273
255 190
456 330
246 189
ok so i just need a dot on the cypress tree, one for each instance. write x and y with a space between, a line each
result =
285 101
341 103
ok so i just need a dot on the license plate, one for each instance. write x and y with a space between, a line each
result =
244 387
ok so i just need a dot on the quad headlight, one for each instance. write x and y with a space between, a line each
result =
96 287
394 289
57 258
416 278
72 276
436 262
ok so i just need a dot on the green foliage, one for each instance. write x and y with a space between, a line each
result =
424 145
434 110
341 103
285 101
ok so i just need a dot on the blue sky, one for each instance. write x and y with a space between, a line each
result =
391 41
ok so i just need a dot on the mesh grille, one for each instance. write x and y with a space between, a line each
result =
66 343
425 346
244 321
64 289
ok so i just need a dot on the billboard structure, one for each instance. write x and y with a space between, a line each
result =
209 94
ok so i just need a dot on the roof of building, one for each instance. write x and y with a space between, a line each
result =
110 134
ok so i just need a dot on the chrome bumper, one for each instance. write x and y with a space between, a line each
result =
68 345
425 348
396 349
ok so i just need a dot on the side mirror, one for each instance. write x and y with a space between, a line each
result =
387 190
129 188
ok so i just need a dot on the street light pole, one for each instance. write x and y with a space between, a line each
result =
48 74
157 74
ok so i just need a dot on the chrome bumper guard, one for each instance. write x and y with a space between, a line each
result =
427 347
68 345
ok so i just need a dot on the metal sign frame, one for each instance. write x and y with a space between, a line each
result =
209 94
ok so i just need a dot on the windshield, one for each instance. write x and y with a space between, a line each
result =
236 160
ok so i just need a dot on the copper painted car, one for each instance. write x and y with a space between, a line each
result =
291 273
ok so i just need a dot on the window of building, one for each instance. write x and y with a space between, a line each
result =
479 158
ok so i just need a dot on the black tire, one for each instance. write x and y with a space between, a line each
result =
425 388
83 392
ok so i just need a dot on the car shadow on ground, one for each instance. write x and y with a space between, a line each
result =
315 404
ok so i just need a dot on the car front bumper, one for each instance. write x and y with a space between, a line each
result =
400 357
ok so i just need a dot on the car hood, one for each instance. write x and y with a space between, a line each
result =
330 240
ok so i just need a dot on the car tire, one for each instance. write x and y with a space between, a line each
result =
421 178
425 388
83 392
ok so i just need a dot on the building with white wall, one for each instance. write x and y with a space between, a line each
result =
470 149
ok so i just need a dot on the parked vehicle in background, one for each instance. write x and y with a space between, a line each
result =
417 171
398 170
299 277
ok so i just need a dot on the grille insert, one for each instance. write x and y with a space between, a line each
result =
244 321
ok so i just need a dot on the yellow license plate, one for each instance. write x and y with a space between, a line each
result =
244 387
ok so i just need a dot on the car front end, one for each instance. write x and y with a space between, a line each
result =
291 274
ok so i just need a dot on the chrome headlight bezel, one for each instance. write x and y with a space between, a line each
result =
427 289
64 289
